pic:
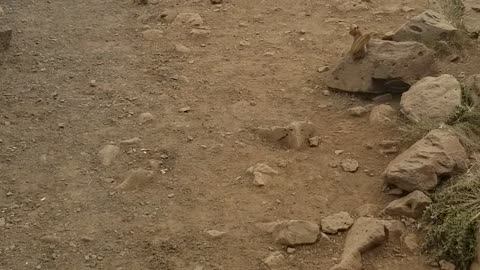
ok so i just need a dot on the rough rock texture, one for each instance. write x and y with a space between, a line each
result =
432 99
413 205
382 114
261 174
387 67
274 259
428 27
5 38
395 230
438 154
296 232
136 179
365 234
411 242
471 16
337 222
349 165
295 136
191 19
472 87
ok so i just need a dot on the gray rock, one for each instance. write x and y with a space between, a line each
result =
387 67
432 99
108 154
5 38
274 259
382 115
190 19
428 28
365 234
136 179
296 232
438 154
349 165
413 205
471 16
341 221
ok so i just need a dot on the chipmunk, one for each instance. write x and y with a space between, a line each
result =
360 42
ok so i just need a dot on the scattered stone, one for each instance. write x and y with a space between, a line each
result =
135 140
191 19
185 109
383 98
291 250
51 239
214 234
182 49
274 259
413 205
244 43
432 99
168 16
296 232
349 165
411 242
261 179
136 178
357 111
145 117
438 154
314 141
108 154
341 221
444 265
152 34
407 62
428 28
293 136
5 38
365 234
323 69
368 210
472 89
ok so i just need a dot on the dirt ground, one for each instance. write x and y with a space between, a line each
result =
258 67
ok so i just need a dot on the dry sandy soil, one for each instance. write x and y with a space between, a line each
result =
59 206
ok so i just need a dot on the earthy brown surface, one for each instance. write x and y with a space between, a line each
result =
60 205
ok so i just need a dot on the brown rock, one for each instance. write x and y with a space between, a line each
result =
432 99
349 165
438 154
383 115
108 154
341 221
405 61
295 136
191 19
152 34
413 205
296 232
5 38
368 210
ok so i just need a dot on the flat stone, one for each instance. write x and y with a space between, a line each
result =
413 205
341 221
349 165
214 234
136 179
274 259
296 232
438 154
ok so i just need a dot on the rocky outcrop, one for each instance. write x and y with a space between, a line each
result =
428 28
387 67
438 154
413 205
432 100
365 234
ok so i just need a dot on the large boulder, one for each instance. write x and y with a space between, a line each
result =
365 234
432 99
413 205
438 154
388 66
428 28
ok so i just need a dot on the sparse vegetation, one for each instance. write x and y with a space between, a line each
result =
452 220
